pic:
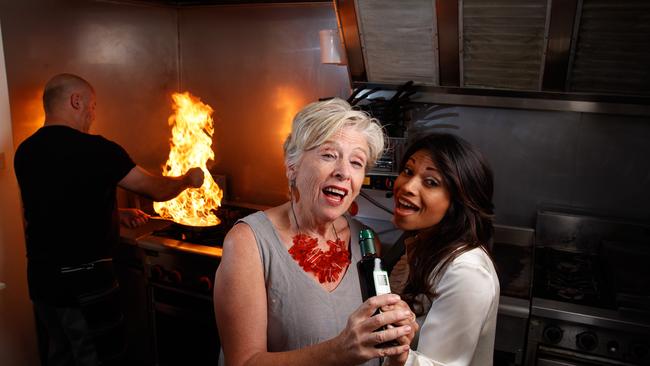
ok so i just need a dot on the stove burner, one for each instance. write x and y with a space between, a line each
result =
572 277
568 276
567 267
570 293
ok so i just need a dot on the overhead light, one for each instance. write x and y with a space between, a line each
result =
330 47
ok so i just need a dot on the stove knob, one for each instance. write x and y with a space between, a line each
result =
553 334
157 272
613 347
174 277
587 341
205 283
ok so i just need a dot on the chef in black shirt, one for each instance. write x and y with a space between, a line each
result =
68 180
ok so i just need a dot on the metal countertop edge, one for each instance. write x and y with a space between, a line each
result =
585 315
156 243
515 307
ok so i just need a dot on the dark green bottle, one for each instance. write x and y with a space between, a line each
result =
367 263
371 275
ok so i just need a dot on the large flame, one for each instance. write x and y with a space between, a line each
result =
190 146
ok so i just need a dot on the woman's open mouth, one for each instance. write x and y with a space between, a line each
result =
405 206
335 194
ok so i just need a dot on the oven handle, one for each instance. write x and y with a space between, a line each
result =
570 358
172 310
181 291
546 362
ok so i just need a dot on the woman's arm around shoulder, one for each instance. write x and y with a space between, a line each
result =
454 326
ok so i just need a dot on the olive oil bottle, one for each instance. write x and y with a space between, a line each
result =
373 280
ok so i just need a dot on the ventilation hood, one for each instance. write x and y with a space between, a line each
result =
581 55
180 3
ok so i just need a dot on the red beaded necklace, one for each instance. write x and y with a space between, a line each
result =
326 265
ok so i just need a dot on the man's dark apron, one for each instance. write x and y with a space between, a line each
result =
99 300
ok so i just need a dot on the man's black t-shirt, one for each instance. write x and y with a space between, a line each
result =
68 181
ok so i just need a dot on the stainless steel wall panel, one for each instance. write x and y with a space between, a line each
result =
256 65
596 162
128 52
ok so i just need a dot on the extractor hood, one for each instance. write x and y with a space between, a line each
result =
220 2
572 53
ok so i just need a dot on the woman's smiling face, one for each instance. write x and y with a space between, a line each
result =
329 177
421 196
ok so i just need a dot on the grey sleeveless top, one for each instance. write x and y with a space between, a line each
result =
300 312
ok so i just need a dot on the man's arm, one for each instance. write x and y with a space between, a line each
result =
160 188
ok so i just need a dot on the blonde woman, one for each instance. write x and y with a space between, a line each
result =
287 290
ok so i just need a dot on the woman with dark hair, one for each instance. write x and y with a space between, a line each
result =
443 197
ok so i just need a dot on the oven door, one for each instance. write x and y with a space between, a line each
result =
184 327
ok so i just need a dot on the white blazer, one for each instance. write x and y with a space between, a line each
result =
460 326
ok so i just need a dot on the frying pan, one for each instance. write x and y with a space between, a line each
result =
196 229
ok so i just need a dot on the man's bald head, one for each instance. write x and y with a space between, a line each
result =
69 99
59 88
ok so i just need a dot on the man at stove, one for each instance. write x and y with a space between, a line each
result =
68 180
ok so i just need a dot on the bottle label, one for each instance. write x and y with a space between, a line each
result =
382 286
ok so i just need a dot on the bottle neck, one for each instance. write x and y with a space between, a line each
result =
368 248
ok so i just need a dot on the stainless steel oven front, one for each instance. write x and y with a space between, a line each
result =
590 291
181 308
558 342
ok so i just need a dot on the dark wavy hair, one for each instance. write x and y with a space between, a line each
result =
466 225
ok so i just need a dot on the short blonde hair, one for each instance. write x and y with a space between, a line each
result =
317 122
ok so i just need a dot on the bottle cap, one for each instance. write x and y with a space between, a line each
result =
366 234
367 242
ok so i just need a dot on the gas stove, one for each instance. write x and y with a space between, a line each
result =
590 291
197 240
180 265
